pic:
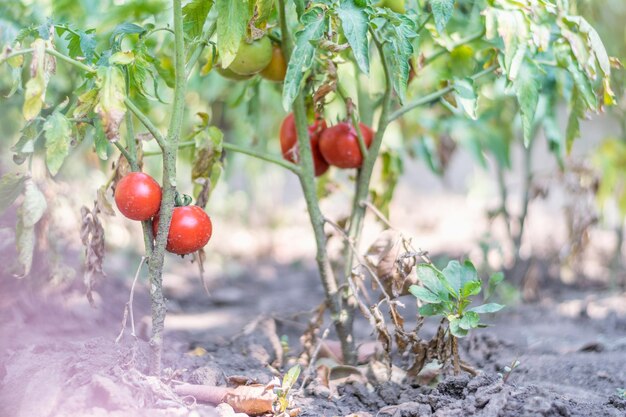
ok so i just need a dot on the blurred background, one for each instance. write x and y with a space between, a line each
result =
460 187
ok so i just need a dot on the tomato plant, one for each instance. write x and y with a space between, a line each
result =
339 144
289 142
138 196
342 56
190 230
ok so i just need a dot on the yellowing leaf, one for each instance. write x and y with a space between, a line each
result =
122 58
40 70
111 107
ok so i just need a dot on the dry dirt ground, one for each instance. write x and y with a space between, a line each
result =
58 356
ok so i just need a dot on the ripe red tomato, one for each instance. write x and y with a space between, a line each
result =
138 196
190 230
277 68
339 144
289 142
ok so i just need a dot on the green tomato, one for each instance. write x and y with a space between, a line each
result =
252 57
230 74
395 5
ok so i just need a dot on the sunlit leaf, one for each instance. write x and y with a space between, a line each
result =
442 12
354 22
527 87
194 15
487 308
424 295
231 28
315 23
58 132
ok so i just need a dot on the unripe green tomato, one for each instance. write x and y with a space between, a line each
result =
252 57
395 5
230 74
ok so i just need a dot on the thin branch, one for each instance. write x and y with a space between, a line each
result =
14 54
246 151
200 48
129 158
264 156
145 120
69 60
360 258
433 97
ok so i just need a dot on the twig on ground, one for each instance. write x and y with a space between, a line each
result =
128 308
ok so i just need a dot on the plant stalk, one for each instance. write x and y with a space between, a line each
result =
307 182
170 148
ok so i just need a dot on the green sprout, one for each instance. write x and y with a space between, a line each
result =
450 292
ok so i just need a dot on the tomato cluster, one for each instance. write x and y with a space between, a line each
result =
138 197
336 145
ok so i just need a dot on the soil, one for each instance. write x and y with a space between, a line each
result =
58 355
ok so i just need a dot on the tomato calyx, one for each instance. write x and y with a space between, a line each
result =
182 200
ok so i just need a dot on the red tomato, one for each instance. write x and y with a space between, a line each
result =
339 144
190 230
289 142
138 196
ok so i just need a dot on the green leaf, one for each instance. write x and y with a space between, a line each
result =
424 295
397 36
80 43
471 288
315 23
264 10
470 320
428 310
581 80
456 329
466 97
354 22
25 146
11 186
527 86
58 131
442 12
432 280
111 107
494 281
126 29
577 112
290 378
458 275
300 7
101 144
487 308
231 28
551 129
194 15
